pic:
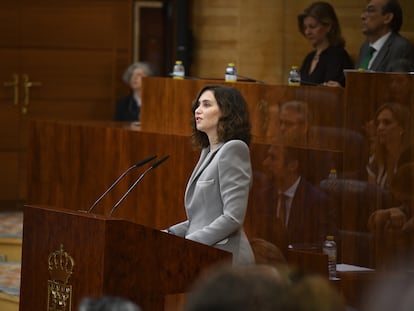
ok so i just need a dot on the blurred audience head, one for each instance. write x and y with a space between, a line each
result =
315 293
294 122
107 303
266 253
241 288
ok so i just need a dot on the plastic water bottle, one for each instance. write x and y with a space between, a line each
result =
329 248
294 76
332 174
178 70
231 73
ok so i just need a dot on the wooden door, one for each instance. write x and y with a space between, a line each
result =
58 60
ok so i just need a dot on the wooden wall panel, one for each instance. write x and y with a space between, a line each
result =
237 31
73 20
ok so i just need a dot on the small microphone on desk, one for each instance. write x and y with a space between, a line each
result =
171 74
140 163
136 183
250 79
304 82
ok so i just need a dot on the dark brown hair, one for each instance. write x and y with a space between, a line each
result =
234 122
325 14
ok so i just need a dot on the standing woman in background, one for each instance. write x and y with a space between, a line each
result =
128 108
326 63
217 193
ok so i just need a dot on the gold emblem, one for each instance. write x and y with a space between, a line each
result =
59 296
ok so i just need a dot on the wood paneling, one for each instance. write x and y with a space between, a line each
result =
73 53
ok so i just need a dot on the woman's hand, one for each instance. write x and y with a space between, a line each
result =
332 84
391 218
397 218
377 220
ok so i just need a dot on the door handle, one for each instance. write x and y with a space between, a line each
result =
27 84
15 85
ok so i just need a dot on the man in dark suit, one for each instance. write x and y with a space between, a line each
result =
302 213
385 49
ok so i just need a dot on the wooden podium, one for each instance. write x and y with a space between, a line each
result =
68 255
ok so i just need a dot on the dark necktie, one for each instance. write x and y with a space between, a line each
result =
281 206
365 61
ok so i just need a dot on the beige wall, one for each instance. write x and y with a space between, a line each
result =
262 37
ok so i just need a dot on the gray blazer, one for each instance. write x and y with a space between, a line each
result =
397 52
216 200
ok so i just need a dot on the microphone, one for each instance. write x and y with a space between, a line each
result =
250 79
171 74
136 183
304 82
140 163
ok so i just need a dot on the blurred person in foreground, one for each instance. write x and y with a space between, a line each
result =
107 303
241 288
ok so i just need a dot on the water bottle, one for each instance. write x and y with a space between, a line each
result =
231 73
329 248
178 70
332 174
294 76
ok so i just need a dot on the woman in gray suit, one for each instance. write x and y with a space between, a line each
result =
217 192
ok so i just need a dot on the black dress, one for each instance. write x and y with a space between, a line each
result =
330 67
127 109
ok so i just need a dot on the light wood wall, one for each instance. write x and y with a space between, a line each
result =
262 37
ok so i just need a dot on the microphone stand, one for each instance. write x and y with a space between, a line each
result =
136 182
118 179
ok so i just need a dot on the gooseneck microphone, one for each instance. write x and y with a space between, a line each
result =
250 79
136 183
140 163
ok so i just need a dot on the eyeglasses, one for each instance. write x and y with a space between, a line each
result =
370 10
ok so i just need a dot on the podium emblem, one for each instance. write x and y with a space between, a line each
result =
60 265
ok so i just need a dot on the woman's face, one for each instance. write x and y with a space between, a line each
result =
315 32
207 114
388 129
136 77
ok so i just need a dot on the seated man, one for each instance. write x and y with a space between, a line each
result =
385 49
301 212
